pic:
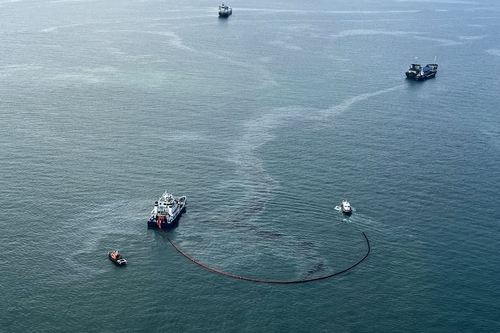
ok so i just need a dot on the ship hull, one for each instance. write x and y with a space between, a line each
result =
425 77
347 212
418 74
164 224
420 77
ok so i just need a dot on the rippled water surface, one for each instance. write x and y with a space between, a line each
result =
266 121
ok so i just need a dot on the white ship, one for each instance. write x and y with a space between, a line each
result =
167 210
345 207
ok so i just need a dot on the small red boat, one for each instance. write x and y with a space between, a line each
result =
117 258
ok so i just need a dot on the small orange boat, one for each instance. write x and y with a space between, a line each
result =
117 258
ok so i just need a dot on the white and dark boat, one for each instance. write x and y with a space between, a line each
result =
345 207
167 210
117 258
225 10
419 73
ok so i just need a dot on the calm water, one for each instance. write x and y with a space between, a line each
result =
266 121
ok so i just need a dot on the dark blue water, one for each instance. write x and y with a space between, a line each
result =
266 121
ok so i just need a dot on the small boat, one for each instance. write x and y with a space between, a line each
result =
117 258
225 10
419 73
345 207
166 211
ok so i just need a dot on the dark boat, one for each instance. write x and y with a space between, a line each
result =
419 73
225 10
117 258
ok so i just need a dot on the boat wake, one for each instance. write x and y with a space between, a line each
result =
342 107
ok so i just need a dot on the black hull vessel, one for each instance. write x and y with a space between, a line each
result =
418 73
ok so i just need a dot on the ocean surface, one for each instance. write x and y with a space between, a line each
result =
265 121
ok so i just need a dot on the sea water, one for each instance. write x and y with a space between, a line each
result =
265 121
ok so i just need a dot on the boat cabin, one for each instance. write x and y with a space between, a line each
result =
415 67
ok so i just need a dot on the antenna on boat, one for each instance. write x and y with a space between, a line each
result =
435 58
